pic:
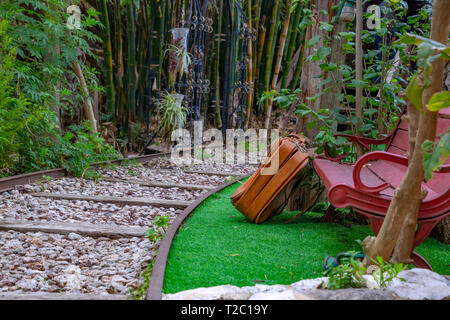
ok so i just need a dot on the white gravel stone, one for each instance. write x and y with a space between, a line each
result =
420 284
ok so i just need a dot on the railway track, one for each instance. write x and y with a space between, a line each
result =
70 238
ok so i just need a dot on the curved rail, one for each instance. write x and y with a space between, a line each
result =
157 279
94 229
8 183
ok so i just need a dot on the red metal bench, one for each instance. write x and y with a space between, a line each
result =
369 187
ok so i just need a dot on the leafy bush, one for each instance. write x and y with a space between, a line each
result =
29 136
46 50
80 147
26 129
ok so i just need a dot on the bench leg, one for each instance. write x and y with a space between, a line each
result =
423 231
420 261
376 224
329 215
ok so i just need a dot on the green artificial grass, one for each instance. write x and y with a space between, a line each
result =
217 246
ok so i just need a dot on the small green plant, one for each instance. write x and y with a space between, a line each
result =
140 292
47 178
386 272
161 224
347 275
230 179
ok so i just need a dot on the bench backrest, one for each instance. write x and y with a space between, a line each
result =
399 143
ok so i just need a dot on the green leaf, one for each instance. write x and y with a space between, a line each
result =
415 39
365 127
324 81
311 125
328 66
355 120
313 41
359 83
303 113
435 155
438 101
322 53
414 93
340 117
326 26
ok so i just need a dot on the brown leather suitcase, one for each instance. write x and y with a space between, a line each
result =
264 195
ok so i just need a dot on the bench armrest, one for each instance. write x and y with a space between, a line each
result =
376 155
444 168
365 142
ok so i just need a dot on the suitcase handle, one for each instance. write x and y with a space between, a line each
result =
299 137
299 141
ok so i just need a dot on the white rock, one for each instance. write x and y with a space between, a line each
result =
287 294
370 282
420 284
211 293
310 283
118 278
27 284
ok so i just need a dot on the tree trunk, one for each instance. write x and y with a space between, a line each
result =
88 108
442 231
310 85
407 196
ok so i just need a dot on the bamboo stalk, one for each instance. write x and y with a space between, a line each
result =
217 68
108 62
261 43
290 52
279 60
269 52
250 66
119 66
258 23
359 69
131 55
298 70
161 41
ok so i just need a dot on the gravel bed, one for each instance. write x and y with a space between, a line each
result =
32 262
43 262
113 189
163 170
16 205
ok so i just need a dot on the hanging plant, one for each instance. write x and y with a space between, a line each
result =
179 58
179 62
173 113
